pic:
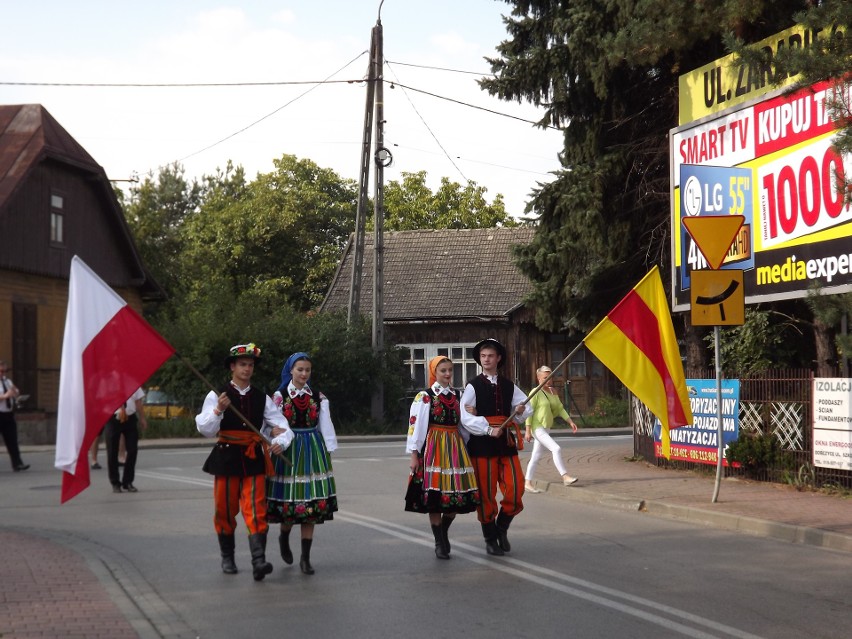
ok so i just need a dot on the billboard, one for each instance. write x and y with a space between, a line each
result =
728 81
698 442
772 161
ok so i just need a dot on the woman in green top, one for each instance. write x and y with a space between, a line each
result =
546 405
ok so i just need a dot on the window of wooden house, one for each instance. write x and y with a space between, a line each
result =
57 218
417 360
577 364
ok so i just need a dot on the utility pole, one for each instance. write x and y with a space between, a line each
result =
382 159
374 112
363 185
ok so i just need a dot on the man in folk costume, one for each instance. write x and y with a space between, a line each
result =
489 399
240 459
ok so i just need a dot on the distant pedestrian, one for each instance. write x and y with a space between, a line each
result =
8 425
442 480
239 461
546 406
302 491
125 424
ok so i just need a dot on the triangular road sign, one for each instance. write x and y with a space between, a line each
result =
713 235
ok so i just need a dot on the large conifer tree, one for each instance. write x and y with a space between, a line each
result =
607 72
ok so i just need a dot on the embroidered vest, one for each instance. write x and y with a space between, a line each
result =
491 400
302 411
444 410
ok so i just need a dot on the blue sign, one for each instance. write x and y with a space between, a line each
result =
715 190
698 442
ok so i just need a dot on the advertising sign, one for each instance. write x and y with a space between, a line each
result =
698 442
833 423
729 81
772 162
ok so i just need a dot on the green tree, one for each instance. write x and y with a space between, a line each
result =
156 212
607 72
766 340
411 204
281 237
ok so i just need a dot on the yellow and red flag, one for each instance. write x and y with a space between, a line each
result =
636 341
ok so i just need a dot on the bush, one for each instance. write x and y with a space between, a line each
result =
165 428
757 454
608 412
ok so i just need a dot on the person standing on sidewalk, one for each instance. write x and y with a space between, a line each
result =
546 406
442 480
302 491
8 425
239 461
125 423
489 399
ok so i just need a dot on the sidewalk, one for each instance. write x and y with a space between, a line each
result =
48 590
757 508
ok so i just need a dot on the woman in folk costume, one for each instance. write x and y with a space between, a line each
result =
302 492
442 482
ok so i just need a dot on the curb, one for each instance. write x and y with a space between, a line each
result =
726 521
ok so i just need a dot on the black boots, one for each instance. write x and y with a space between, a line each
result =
440 547
305 561
259 566
446 522
502 524
489 531
226 546
284 546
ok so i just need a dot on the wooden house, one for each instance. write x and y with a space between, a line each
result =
447 289
55 202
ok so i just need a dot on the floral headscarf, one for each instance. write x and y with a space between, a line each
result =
433 366
286 375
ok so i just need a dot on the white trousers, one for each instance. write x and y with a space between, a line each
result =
543 441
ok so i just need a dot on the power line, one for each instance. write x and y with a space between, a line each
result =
472 106
177 85
428 128
269 115
425 66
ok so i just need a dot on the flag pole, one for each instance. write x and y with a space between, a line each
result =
534 391
231 406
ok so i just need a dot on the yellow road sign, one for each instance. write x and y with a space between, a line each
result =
717 298
713 235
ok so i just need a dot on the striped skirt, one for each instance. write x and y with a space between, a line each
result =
302 492
445 481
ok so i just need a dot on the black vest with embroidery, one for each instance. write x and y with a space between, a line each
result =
230 459
444 412
486 406
302 411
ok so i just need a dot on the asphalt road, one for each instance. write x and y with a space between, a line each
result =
576 569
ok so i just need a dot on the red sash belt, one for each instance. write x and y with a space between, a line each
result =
248 439
513 438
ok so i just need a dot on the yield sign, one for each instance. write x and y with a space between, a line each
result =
713 235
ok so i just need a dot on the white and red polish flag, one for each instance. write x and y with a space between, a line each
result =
107 353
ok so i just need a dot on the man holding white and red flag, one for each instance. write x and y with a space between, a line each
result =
107 353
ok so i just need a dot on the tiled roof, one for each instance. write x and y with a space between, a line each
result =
28 133
439 274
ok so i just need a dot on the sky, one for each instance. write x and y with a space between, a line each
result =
434 46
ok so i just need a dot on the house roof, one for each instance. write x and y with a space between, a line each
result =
439 274
28 133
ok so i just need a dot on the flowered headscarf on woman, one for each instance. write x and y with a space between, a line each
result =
433 366
286 374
